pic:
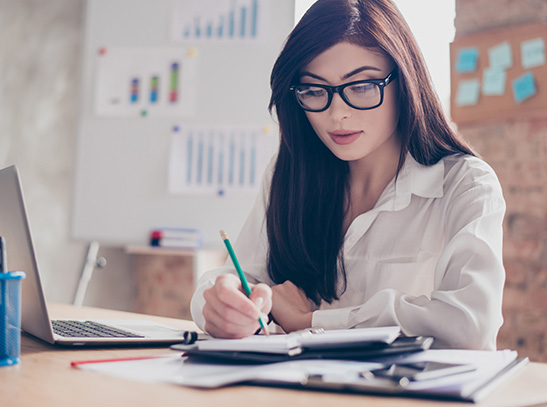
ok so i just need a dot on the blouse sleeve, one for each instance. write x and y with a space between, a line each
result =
464 310
251 248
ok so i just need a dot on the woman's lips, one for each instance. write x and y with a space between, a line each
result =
344 136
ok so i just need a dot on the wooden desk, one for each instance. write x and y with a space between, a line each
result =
45 378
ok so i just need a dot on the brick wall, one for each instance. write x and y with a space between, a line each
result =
517 150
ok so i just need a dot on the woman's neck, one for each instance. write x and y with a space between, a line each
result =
373 172
368 178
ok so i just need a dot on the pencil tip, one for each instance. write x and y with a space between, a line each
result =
223 234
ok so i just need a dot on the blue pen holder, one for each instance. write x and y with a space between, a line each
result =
10 317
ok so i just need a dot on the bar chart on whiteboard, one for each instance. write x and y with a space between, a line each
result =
220 20
153 82
219 160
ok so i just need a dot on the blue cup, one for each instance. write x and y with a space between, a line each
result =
10 317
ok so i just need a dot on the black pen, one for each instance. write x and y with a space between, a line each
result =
3 257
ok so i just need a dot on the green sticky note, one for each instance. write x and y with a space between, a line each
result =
501 56
532 53
493 82
468 92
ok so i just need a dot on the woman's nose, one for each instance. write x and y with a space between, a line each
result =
339 109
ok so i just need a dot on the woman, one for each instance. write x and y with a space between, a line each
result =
375 212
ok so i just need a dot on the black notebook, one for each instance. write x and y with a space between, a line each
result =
364 351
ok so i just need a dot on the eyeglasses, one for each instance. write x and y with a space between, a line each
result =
362 95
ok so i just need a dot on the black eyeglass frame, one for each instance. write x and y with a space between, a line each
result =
331 90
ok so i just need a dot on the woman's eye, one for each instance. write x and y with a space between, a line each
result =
362 88
312 92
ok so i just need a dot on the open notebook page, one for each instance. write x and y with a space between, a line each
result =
337 338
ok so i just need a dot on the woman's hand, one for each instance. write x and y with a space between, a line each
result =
291 308
229 313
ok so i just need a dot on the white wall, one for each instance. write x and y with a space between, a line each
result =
40 43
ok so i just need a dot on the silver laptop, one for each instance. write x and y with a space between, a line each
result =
14 226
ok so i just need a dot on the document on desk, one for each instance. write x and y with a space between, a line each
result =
308 338
488 370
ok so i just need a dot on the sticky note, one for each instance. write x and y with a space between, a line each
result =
493 82
467 60
468 92
532 53
524 87
500 56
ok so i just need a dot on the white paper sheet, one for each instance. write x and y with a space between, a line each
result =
220 21
284 343
219 160
146 82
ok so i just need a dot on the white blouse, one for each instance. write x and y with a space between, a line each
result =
427 257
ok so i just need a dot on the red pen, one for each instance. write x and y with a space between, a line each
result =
85 362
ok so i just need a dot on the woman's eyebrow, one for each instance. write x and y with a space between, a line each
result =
361 69
312 75
346 76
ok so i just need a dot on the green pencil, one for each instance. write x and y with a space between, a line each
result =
244 283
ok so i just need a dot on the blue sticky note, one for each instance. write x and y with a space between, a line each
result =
467 60
468 92
524 87
493 82
532 53
501 56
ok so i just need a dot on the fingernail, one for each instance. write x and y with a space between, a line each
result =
259 301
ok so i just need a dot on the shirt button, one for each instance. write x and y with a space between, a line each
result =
351 239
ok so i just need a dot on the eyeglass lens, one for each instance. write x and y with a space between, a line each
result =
359 95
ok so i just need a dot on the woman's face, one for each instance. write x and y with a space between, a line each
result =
352 134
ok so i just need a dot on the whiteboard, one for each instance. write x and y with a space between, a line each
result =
122 162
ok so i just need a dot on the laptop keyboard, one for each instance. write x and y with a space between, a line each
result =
89 329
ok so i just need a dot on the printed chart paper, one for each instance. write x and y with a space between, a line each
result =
146 82
220 20
219 160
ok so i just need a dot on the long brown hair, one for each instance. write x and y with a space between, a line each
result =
306 203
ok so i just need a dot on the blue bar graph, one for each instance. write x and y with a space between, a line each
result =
253 160
219 160
220 29
197 28
243 22
254 18
242 166
189 164
231 153
200 160
210 161
232 23
229 20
